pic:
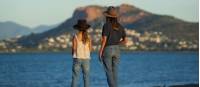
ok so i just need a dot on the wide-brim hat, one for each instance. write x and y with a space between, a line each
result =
111 12
81 25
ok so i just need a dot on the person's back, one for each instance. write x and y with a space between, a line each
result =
81 47
113 35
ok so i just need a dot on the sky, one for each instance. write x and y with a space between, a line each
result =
33 13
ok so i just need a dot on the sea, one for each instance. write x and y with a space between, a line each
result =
136 69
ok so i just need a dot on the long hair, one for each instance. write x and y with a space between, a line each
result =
114 22
85 36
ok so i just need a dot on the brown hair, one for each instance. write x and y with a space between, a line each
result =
85 37
114 22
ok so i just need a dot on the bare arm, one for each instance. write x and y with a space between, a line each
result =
103 43
74 45
123 41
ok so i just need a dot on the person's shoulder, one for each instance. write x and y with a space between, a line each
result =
107 24
74 35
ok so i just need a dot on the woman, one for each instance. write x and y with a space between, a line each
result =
113 35
81 48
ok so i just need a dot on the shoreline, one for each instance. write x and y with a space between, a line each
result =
185 85
68 52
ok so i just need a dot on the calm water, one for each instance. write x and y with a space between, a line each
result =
139 69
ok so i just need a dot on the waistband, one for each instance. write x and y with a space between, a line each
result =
112 46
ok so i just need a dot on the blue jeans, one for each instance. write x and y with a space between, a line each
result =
111 56
76 68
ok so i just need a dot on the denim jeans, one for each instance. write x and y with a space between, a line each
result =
111 56
79 64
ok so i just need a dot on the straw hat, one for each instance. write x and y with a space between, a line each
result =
111 12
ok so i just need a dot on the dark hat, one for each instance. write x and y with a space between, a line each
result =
111 12
81 25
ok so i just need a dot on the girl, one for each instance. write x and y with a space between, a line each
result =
113 35
81 48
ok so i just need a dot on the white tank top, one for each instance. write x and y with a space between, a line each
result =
83 50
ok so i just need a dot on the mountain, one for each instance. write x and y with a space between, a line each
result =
43 28
172 27
130 17
11 29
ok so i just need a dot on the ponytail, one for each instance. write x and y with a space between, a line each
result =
114 23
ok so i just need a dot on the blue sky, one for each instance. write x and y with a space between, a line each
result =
36 12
